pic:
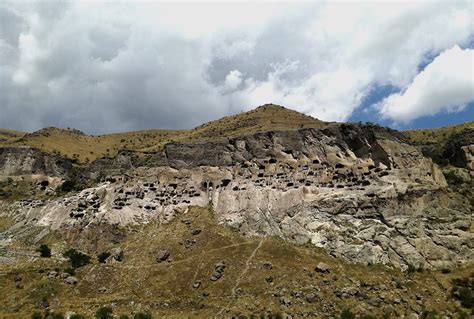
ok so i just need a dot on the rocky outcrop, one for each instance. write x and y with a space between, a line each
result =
459 149
360 192
22 160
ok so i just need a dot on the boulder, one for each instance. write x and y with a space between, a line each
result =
218 271
195 232
197 284
322 268
71 280
162 255
116 255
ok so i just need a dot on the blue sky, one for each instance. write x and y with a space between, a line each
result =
365 113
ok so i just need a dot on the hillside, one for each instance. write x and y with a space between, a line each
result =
261 277
9 135
74 144
266 213
438 135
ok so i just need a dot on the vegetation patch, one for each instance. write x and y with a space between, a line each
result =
77 258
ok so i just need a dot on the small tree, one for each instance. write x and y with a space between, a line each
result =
141 315
104 313
76 258
44 251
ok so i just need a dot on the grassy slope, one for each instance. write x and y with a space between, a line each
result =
165 289
437 135
72 144
9 135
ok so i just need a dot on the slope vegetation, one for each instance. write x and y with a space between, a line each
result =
83 148
258 277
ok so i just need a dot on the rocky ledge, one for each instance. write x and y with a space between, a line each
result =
361 192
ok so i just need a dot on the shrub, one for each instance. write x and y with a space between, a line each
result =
426 314
76 258
104 313
53 315
463 290
44 251
103 256
37 315
76 316
70 271
141 315
452 178
347 314
68 186
412 269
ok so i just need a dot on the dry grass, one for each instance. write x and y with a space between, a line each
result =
83 148
437 135
165 289
9 135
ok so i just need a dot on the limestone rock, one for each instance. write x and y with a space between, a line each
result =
71 280
116 255
322 268
162 255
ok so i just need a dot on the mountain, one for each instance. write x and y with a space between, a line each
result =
265 213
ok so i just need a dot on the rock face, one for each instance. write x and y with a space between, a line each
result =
459 149
28 161
360 192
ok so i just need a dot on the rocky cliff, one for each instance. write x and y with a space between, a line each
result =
362 193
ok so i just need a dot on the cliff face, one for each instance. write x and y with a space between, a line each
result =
361 192
28 161
459 149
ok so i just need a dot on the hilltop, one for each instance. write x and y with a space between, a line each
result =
76 145
438 135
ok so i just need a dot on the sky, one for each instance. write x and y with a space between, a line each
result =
121 65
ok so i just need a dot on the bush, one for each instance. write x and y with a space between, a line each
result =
37 315
347 314
44 251
70 271
141 315
76 316
463 290
452 178
103 256
53 315
68 186
412 269
104 313
76 258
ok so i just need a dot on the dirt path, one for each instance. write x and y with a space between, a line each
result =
239 279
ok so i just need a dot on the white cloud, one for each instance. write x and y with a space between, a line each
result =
103 66
233 79
446 84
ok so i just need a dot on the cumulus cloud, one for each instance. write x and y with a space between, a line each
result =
105 67
446 84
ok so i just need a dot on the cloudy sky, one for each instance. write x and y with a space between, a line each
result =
128 65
